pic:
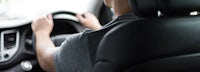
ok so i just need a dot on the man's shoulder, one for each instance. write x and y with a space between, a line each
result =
118 21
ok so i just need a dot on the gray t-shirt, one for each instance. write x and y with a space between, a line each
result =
77 53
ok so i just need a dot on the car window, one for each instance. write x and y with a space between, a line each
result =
21 9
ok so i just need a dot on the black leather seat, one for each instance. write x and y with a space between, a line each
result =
167 43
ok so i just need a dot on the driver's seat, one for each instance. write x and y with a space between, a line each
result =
168 42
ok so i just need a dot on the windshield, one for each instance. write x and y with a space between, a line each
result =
28 9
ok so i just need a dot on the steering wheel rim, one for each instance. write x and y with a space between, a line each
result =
53 14
64 12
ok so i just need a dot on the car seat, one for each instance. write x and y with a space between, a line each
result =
167 39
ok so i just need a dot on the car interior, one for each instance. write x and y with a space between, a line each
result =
165 39
17 41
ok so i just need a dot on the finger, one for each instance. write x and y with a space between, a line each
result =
45 18
83 15
33 24
80 17
41 19
50 16
88 14
37 20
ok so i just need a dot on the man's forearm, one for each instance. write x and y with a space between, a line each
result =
45 52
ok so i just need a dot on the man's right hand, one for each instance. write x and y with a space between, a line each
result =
43 25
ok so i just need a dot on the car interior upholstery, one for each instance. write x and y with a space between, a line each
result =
169 42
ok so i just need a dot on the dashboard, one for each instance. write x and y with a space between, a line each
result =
9 44
17 51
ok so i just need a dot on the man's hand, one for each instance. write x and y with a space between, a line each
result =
89 20
43 25
45 49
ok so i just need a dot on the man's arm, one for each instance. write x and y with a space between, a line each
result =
45 49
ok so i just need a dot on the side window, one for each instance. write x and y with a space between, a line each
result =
105 15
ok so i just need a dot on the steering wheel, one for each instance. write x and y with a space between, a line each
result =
59 38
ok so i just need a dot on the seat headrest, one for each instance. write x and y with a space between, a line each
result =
148 8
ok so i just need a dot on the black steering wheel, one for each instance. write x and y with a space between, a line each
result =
58 39
63 12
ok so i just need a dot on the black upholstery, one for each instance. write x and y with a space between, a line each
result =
146 8
154 44
153 47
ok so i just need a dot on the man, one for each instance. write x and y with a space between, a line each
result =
76 53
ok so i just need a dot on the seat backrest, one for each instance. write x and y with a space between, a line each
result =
166 43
